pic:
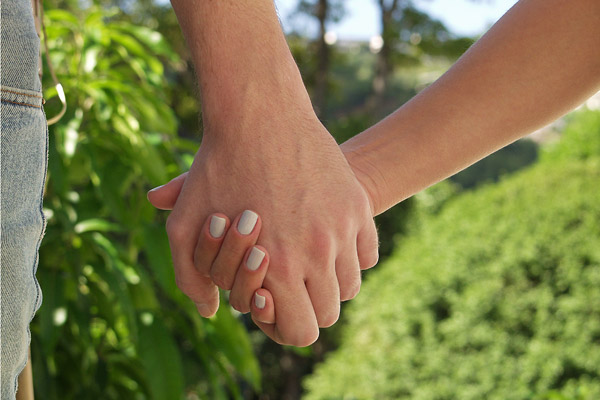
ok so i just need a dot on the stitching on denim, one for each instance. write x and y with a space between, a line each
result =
20 104
37 257
20 93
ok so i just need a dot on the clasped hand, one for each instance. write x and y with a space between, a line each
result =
309 233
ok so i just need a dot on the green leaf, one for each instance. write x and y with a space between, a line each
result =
153 39
96 224
130 44
158 252
90 58
160 358
235 344
62 17
53 302
105 260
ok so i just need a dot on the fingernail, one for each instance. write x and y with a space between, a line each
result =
254 259
247 222
259 301
217 226
156 188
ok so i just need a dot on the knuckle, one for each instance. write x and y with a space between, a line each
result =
234 303
350 291
221 280
244 309
300 340
201 266
321 243
202 269
296 336
185 287
286 271
374 237
329 318
369 256
237 302
308 338
174 228
370 259
180 284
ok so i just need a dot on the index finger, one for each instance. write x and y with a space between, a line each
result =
183 234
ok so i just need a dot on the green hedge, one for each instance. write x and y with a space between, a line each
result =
495 297
580 141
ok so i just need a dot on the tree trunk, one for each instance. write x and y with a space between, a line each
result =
384 65
323 60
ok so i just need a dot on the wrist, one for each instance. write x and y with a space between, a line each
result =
368 175
236 104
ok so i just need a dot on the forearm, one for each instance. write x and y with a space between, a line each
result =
538 62
241 57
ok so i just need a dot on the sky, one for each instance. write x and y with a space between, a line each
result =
463 17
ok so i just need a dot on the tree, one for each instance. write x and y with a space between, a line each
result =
390 37
324 11
408 36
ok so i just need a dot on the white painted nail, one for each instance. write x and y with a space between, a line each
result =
254 259
217 226
156 188
247 222
260 301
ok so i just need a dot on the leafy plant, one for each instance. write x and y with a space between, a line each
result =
580 138
494 296
113 324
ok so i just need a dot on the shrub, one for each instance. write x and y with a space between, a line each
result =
580 138
495 297
113 324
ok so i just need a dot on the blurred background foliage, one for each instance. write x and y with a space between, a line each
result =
492 294
114 326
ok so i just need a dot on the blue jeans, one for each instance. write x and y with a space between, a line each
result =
23 145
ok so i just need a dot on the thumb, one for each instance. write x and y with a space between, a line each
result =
165 196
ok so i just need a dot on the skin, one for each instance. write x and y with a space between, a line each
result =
248 281
234 246
273 166
536 63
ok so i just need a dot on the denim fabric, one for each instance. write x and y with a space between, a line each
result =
23 158
20 46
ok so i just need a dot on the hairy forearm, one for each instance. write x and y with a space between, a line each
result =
241 57
538 62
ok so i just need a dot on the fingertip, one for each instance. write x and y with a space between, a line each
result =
257 257
164 197
263 309
209 242
249 278
207 310
155 197
217 224
248 222
233 255
152 192
368 247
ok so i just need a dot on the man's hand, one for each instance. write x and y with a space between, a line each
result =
264 149
316 218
